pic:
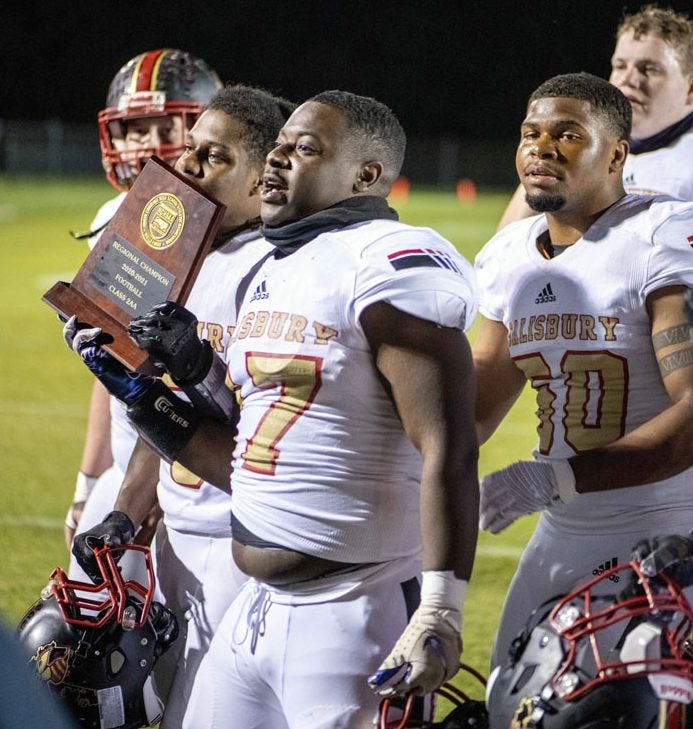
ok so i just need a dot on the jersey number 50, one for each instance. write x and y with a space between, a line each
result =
594 412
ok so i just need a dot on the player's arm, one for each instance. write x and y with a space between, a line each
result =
137 495
136 501
428 371
517 209
96 457
661 447
499 381
170 426
658 449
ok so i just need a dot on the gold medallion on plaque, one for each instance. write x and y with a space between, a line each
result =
162 220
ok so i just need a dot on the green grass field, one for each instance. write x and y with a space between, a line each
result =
44 390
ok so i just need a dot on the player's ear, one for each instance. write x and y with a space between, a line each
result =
368 176
689 98
618 157
256 186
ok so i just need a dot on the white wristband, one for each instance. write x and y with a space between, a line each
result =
83 487
443 590
565 479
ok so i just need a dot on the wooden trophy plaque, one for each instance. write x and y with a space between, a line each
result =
150 252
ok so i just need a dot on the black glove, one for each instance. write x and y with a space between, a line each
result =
168 332
115 529
165 626
127 386
672 554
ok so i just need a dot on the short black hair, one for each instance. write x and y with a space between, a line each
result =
376 130
260 113
605 99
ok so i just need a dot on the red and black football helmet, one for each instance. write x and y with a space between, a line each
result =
95 644
601 661
466 712
166 84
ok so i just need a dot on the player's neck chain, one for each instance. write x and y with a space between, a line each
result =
290 237
663 138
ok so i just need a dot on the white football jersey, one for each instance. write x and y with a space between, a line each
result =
123 435
322 463
664 171
103 217
579 329
189 503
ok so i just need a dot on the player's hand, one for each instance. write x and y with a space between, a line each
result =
426 655
116 378
115 529
523 488
672 554
74 514
168 332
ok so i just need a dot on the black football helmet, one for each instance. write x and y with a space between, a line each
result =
94 645
466 713
600 661
167 84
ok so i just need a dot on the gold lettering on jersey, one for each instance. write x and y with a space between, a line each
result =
162 220
568 323
587 327
243 328
261 319
609 323
277 323
215 336
323 333
544 327
552 322
282 325
297 327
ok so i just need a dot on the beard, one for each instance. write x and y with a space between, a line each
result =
545 203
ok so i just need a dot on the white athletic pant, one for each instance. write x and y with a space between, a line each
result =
554 562
277 665
197 579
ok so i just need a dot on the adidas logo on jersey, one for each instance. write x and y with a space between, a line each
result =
260 292
602 568
546 295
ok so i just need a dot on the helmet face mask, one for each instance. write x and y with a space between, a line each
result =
599 660
95 645
465 713
167 90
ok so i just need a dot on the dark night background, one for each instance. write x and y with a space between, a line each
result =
449 69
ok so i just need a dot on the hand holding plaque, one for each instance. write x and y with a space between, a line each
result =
150 252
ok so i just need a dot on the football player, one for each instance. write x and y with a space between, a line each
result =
355 460
197 579
152 102
652 65
585 302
